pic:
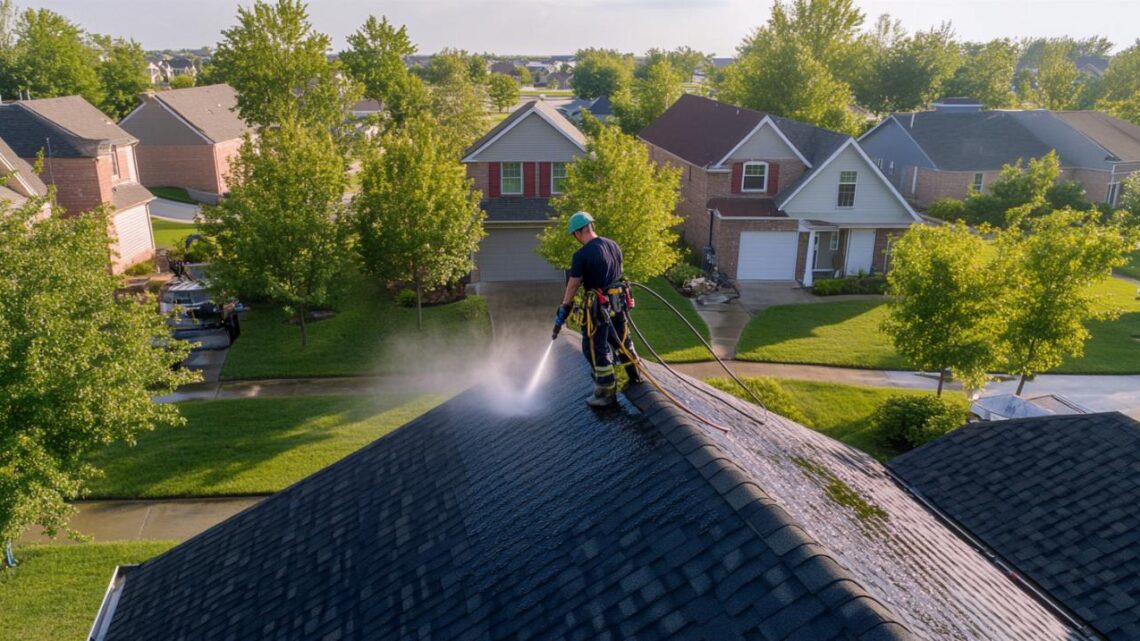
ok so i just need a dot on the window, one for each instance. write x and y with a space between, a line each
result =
846 189
557 177
978 178
755 177
834 244
114 161
511 181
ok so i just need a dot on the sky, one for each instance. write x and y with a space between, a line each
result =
563 26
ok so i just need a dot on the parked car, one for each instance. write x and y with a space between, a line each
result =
191 308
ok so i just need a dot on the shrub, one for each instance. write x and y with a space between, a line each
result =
406 298
910 421
776 399
141 269
862 284
948 209
682 273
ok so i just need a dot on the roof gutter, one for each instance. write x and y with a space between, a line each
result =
110 602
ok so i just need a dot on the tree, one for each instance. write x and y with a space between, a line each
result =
684 59
503 89
279 66
631 198
827 28
1057 76
1121 80
1049 300
457 104
375 58
910 74
525 77
51 58
601 72
185 81
943 311
1129 200
122 74
648 97
1021 193
79 364
986 74
416 216
280 234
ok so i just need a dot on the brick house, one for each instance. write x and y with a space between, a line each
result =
958 147
91 161
773 198
518 166
188 138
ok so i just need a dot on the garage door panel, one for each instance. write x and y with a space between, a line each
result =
767 255
508 255
133 241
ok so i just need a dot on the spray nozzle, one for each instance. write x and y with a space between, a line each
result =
557 328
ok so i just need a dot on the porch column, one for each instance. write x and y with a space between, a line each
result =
809 262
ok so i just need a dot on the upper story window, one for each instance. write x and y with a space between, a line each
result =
755 177
114 161
979 178
511 181
557 177
847 188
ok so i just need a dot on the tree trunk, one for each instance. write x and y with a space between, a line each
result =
941 378
304 330
1021 384
419 306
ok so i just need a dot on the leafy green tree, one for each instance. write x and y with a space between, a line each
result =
503 89
417 218
52 58
79 364
450 64
685 60
122 74
281 232
1049 299
1129 200
648 97
631 198
987 74
525 77
1057 86
1121 81
912 71
375 58
185 81
458 106
601 72
279 66
827 28
1027 192
944 312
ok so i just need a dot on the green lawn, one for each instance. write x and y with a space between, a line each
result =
369 335
549 93
250 446
1132 269
842 412
177 194
170 234
56 590
664 330
847 334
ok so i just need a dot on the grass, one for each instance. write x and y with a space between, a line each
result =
56 590
1132 269
847 334
840 411
250 446
549 93
170 234
369 335
664 330
176 194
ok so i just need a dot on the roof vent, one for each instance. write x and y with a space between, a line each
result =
957 103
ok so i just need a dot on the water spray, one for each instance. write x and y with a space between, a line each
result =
538 371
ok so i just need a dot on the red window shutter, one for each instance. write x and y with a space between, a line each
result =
529 185
494 183
544 179
773 179
737 176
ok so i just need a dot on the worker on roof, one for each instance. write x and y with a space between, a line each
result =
605 327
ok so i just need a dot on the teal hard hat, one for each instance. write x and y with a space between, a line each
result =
578 220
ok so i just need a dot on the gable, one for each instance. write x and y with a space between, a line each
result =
531 139
153 124
875 200
890 141
764 144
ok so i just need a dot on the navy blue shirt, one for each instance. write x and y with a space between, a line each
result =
597 263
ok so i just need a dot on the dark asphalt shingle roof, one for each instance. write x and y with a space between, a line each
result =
20 170
699 130
27 134
211 109
129 194
971 140
517 209
745 207
1120 138
80 118
492 518
1057 497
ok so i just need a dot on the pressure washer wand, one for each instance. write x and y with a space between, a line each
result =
557 328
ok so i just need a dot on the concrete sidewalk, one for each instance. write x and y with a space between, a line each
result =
161 520
174 211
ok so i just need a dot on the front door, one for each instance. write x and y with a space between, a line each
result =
860 251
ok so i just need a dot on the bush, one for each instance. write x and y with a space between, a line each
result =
141 269
406 298
910 421
682 273
852 285
776 399
948 209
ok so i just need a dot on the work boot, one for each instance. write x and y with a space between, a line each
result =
633 373
603 396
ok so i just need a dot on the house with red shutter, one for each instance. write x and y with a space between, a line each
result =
519 166
773 198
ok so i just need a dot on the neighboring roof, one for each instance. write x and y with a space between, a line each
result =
508 68
958 100
23 179
601 107
971 140
1056 498
538 107
26 134
749 207
495 517
699 130
211 110
181 63
129 194
511 209
80 118
367 105
1120 138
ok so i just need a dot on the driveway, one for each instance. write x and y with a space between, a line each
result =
174 211
522 311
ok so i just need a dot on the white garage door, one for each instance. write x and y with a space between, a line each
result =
508 255
133 238
767 255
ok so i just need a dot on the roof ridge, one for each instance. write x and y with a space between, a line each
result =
860 610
